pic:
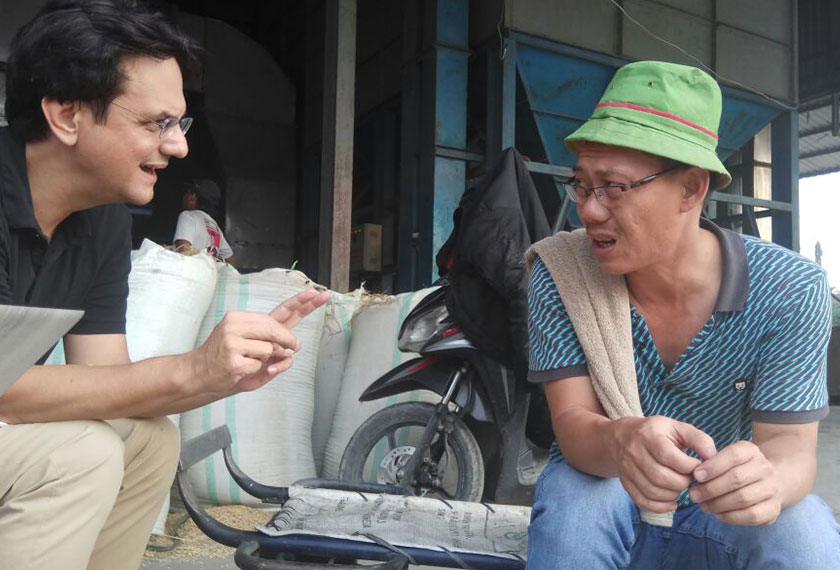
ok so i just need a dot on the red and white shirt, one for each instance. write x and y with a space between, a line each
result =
203 233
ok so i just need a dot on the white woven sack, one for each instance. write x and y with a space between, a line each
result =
169 294
332 358
373 352
271 427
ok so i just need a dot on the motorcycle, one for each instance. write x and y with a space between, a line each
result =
477 442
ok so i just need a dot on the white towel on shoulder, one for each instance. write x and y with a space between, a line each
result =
599 308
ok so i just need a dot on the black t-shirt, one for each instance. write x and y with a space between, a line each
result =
84 266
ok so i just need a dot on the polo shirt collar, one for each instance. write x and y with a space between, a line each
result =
74 228
17 195
735 282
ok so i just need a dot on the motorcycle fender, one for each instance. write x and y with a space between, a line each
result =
423 373
427 373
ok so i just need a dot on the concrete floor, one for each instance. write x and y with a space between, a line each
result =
828 461
200 564
827 487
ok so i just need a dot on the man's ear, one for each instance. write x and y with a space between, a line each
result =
695 187
63 119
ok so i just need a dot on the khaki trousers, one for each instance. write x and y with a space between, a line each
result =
82 494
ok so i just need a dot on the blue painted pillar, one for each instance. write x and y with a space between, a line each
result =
509 96
451 49
434 132
785 178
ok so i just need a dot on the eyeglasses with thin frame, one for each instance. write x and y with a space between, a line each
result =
165 126
609 193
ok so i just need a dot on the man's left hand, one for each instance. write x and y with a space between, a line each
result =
739 486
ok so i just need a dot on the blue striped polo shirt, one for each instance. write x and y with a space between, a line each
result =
761 357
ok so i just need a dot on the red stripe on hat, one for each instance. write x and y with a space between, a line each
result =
661 114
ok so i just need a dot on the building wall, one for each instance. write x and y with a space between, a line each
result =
249 106
13 14
379 62
819 45
747 41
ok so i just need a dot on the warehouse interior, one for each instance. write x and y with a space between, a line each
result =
430 92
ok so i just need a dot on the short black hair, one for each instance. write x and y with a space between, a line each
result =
208 195
72 50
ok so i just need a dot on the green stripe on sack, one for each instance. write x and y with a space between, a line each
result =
399 357
405 308
209 463
344 322
206 411
414 395
380 449
230 403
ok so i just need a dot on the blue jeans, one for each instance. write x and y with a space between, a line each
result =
581 522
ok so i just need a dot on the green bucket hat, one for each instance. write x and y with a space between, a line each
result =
665 109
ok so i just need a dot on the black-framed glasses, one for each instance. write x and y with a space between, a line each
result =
578 193
166 127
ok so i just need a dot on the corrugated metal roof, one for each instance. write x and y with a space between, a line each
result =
819 149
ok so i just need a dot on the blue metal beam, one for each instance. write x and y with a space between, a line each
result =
749 201
541 168
509 96
785 178
451 61
434 132
741 119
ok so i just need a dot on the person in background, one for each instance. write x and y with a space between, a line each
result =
196 227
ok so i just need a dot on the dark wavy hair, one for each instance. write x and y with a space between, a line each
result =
72 50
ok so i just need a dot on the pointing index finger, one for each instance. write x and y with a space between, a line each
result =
291 311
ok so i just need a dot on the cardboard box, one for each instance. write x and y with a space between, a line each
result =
366 248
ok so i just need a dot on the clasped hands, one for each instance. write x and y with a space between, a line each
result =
737 484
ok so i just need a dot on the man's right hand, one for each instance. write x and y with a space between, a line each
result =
246 350
242 353
652 463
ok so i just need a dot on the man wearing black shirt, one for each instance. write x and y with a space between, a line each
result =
95 107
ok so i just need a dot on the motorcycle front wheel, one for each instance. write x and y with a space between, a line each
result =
385 442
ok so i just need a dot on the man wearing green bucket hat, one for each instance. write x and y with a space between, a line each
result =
729 339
